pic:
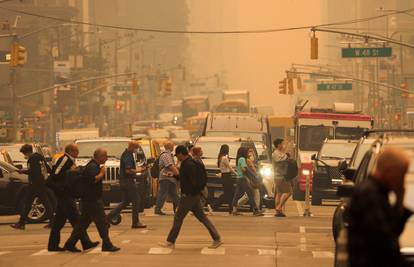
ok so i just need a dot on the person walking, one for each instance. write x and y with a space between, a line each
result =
374 223
167 181
283 187
243 183
66 204
255 186
92 205
223 163
129 191
190 172
37 171
197 154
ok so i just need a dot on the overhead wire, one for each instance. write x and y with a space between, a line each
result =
166 31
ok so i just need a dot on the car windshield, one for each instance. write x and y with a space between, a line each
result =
184 134
257 137
211 149
8 167
362 149
14 152
312 137
159 133
349 133
114 148
337 151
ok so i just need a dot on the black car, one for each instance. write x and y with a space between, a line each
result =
12 194
340 220
326 171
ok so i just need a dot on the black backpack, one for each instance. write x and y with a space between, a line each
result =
75 183
200 180
292 169
155 168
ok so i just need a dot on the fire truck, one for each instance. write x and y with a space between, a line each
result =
314 127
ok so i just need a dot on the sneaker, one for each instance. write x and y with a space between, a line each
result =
159 212
258 213
111 248
216 244
280 214
167 244
138 225
18 226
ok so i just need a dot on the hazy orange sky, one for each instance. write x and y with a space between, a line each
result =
254 62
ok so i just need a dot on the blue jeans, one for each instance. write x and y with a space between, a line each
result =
167 188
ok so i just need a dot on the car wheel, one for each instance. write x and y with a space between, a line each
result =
116 220
37 212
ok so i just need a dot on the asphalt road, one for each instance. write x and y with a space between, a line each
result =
248 241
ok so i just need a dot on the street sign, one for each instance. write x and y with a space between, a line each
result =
121 87
334 86
366 52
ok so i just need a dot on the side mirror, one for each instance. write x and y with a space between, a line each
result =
348 173
313 157
150 161
345 190
19 166
342 165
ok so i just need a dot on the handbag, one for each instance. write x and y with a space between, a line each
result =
252 178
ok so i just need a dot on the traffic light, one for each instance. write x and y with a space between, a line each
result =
168 88
290 86
314 47
134 87
18 55
282 87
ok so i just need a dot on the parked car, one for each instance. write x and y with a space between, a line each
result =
366 166
5 156
12 194
115 146
326 174
18 158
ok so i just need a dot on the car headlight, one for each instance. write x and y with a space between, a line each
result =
266 172
306 172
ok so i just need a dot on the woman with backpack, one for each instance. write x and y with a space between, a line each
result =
243 182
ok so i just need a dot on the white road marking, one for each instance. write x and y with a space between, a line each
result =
302 229
4 252
269 252
303 244
160 251
126 241
322 254
144 231
45 252
98 250
299 207
212 251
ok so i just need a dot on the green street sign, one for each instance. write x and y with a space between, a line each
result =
121 88
334 86
366 52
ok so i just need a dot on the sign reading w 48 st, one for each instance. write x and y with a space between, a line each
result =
366 52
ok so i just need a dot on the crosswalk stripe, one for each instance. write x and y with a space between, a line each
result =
212 251
322 254
126 241
144 231
160 251
269 252
4 252
98 250
45 252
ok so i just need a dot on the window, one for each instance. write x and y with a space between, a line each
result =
114 148
349 133
337 150
312 137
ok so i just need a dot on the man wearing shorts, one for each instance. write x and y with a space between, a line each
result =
283 187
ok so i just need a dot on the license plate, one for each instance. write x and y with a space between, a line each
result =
337 181
106 187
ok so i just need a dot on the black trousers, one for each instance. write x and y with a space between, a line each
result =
129 194
91 211
186 204
228 191
65 210
33 191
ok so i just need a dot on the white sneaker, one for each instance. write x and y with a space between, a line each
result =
216 244
167 244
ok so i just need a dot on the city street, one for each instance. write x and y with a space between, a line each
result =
248 241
